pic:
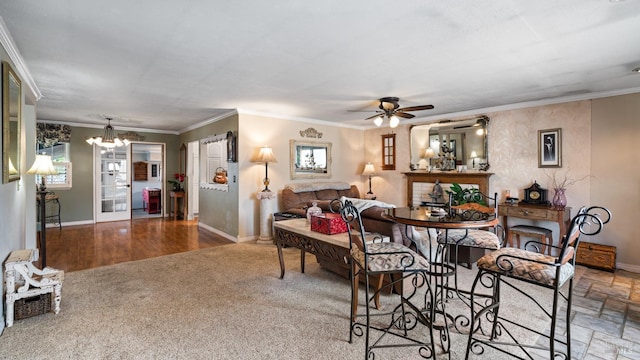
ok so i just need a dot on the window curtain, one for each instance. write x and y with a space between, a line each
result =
50 134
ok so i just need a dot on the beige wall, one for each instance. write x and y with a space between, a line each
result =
257 131
616 177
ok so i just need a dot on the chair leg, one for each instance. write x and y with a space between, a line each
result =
568 319
554 318
355 282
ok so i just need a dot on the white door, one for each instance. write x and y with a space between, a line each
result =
112 183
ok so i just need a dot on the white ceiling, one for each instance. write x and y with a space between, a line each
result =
169 64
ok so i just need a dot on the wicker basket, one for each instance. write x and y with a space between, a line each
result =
28 307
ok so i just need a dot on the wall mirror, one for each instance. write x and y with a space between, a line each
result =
11 117
310 160
466 143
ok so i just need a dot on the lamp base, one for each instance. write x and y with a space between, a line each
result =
370 196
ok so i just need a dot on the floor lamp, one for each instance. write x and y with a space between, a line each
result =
265 156
43 166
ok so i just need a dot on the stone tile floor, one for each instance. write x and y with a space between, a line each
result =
605 321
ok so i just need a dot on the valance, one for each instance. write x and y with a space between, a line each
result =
50 134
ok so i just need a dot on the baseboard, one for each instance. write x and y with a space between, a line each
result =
218 232
628 267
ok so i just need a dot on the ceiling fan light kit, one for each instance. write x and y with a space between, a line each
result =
390 108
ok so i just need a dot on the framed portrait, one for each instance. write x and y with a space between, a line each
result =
550 148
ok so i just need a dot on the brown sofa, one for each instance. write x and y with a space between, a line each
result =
296 198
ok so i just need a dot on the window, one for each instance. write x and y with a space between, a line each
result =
389 152
60 157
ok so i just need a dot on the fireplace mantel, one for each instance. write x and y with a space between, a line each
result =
479 178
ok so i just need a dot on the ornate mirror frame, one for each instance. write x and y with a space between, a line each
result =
11 123
310 159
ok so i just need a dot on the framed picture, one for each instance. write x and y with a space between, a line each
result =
550 148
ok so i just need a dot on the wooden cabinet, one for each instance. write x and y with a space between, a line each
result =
140 171
596 256
151 200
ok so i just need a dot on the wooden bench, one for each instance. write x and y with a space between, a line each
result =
331 251
23 280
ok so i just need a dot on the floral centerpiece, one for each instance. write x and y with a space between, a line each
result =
560 187
177 183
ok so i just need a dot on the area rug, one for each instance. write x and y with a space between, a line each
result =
226 302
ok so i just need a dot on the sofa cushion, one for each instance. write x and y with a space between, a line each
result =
352 192
327 194
375 212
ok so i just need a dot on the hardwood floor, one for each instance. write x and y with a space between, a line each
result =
88 246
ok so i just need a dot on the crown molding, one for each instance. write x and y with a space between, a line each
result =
298 118
116 127
21 68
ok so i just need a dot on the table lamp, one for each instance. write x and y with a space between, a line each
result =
474 155
369 171
266 156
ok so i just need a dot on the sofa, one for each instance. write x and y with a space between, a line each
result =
296 198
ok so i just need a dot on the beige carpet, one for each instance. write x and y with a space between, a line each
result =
224 302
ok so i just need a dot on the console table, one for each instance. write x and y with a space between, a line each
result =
562 217
478 178
175 195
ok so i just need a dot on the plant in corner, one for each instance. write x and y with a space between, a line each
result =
461 196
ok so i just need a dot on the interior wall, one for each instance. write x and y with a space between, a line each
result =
218 210
513 154
616 178
257 131
18 213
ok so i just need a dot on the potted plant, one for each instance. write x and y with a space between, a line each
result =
461 196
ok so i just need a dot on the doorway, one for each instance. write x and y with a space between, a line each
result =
147 185
129 182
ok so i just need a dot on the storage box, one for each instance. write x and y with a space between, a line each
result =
328 223
596 256
28 307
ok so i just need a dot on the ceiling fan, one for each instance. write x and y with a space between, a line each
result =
390 108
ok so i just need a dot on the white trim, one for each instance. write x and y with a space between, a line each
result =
21 67
628 267
521 105
210 120
217 232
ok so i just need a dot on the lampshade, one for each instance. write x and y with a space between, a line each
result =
429 153
42 166
378 120
108 140
369 169
474 154
265 156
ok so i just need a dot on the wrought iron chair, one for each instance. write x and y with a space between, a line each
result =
511 266
476 206
397 324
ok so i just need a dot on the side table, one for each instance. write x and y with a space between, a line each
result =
175 196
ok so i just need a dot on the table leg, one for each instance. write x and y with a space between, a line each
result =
302 258
279 246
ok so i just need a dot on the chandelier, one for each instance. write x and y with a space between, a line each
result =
108 140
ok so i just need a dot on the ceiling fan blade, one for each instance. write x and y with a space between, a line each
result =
403 115
416 108
374 116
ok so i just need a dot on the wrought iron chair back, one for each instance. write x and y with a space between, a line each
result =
553 272
370 257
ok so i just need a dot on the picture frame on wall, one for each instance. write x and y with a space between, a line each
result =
550 148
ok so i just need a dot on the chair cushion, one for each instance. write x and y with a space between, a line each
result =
522 268
473 238
390 256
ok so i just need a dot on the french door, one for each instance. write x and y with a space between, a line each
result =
112 183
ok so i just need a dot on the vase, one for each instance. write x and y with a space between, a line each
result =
559 199
314 210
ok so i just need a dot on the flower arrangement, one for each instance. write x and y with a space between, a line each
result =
565 182
177 183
